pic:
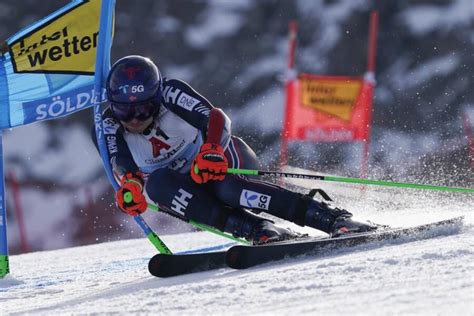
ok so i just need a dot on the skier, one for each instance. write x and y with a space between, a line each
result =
169 145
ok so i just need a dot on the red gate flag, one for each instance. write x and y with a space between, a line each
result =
328 108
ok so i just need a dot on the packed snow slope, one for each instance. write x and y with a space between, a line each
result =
429 277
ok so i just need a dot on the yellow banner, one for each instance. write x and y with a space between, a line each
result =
66 45
333 97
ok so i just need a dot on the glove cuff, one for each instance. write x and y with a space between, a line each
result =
140 184
211 146
136 177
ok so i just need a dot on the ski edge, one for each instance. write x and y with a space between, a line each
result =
164 265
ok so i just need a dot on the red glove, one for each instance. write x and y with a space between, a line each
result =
209 164
130 198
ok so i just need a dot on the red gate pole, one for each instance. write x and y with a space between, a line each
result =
470 138
370 76
372 49
289 86
18 209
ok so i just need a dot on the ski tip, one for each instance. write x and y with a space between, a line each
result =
162 265
155 263
234 258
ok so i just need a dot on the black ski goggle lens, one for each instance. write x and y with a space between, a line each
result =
127 112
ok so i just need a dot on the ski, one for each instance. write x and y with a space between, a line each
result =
242 257
162 265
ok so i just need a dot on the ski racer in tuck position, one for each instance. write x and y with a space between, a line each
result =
169 145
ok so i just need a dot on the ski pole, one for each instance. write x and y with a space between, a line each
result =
348 180
149 233
204 227
152 236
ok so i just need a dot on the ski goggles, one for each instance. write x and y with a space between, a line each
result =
140 111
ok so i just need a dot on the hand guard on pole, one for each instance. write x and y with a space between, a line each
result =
130 198
209 164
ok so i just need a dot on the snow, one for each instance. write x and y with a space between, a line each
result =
329 30
267 105
423 19
431 276
261 68
167 24
74 153
469 112
221 13
434 67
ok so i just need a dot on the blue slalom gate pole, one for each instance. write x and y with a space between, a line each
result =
102 68
4 265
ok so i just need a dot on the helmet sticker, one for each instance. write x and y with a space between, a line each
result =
131 72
